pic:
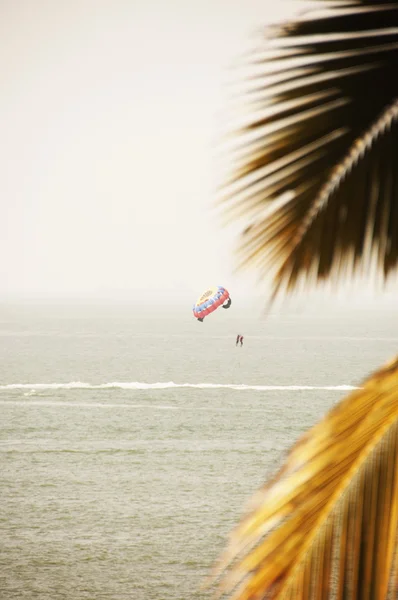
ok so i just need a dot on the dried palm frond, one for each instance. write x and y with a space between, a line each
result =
326 526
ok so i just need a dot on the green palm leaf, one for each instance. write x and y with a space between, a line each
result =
326 526
324 137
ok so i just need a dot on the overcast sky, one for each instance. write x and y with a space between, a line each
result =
109 116
110 112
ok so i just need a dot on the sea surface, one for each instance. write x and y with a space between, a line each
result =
131 441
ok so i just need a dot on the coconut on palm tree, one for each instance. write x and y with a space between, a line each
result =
320 154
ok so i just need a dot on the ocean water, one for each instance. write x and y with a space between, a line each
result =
130 441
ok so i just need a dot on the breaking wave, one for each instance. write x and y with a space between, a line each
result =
138 385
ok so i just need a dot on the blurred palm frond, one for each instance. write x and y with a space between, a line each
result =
326 526
323 134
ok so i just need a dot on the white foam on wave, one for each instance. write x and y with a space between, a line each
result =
138 385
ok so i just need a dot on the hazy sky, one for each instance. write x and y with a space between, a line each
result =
109 116
110 113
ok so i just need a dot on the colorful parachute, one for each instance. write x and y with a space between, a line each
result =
210 301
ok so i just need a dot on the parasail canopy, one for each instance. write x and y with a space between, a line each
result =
210 300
